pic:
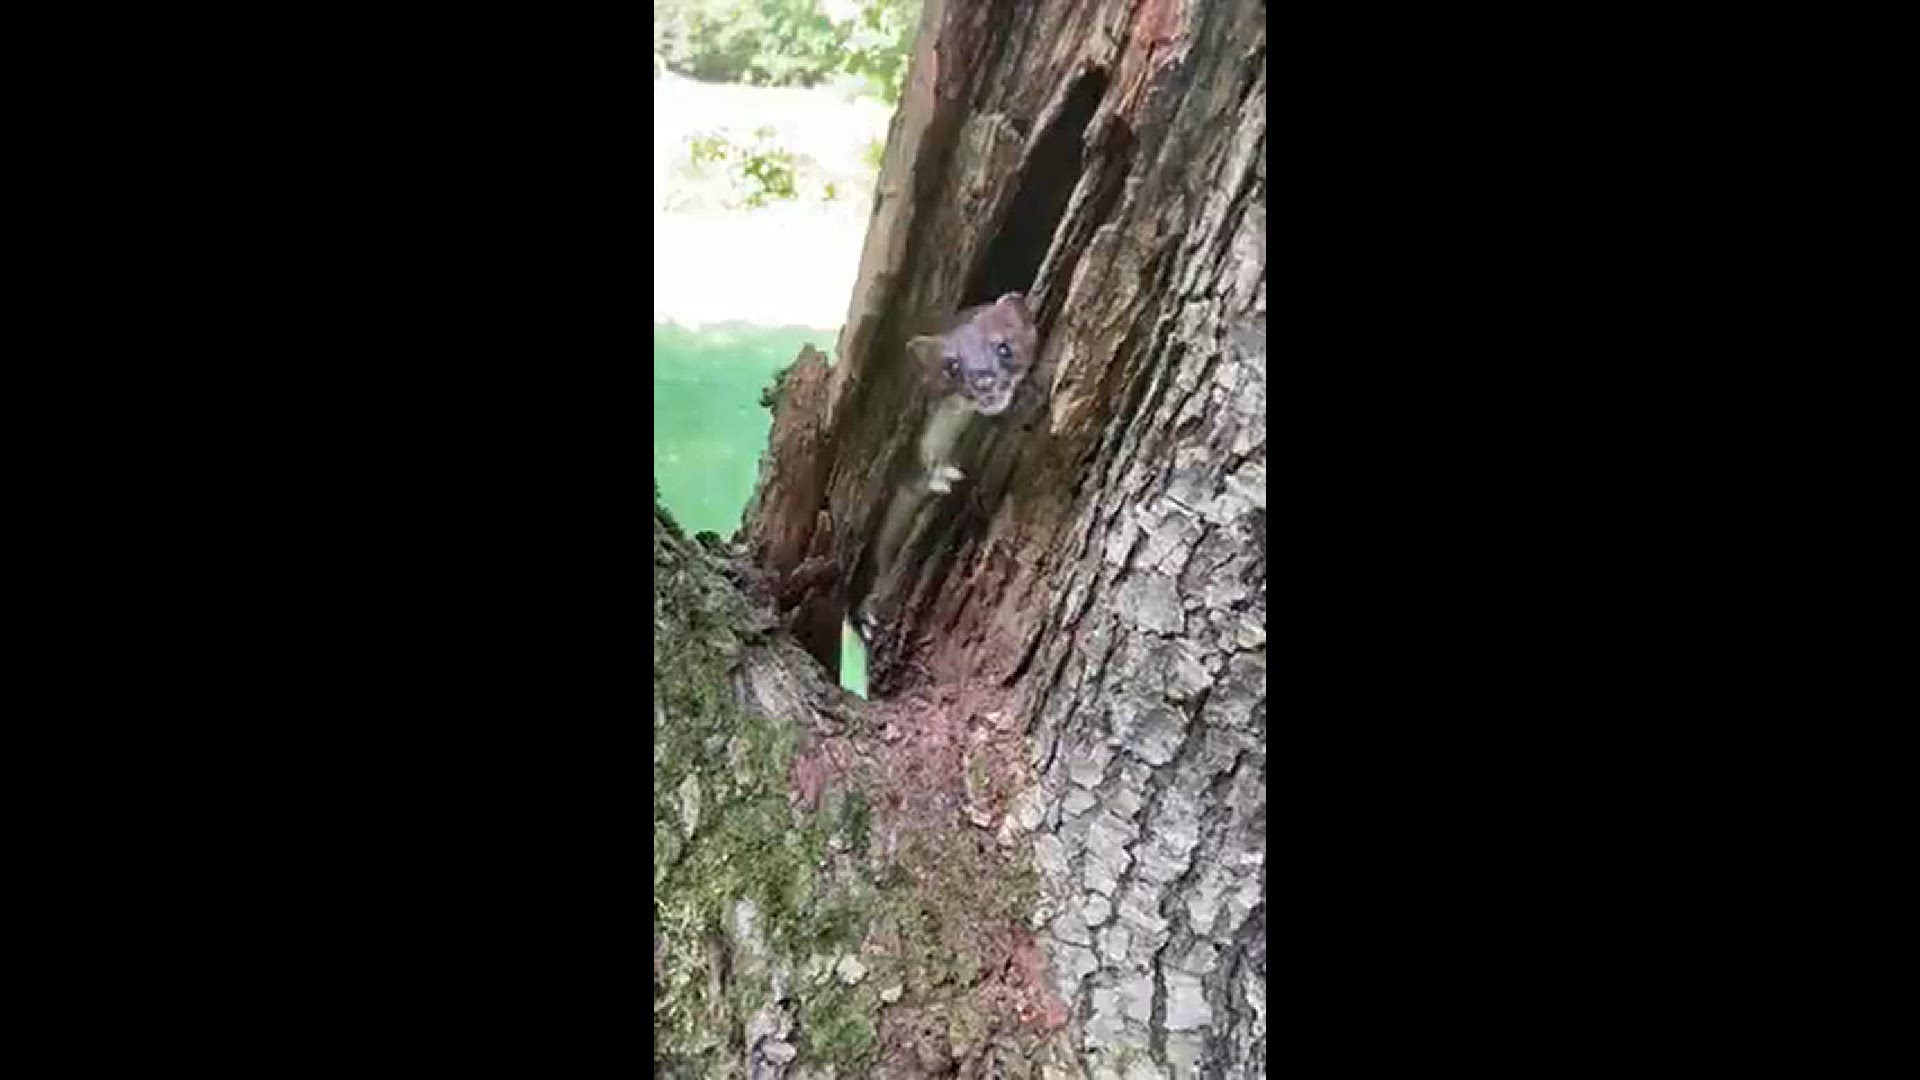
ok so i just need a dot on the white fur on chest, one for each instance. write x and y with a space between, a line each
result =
948 418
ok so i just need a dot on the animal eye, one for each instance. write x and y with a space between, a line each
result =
1005 350
952 364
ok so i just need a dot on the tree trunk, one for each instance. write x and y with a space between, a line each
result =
1048 826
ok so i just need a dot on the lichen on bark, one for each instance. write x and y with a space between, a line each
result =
808 907
1041 850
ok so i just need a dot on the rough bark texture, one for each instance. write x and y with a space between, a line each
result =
1077 644
828 897
787 532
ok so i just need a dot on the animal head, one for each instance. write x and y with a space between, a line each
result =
984 358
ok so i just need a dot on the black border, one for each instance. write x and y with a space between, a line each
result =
403 270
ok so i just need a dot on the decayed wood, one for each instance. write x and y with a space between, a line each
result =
1103 568
788 536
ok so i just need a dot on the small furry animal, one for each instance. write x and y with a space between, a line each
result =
974 367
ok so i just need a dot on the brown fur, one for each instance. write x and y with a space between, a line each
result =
966 360
975 367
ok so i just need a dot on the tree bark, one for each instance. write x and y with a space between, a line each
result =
1072 681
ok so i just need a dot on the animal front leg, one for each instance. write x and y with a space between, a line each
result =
941 477
937 441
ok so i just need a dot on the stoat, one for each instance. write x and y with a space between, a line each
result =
974 366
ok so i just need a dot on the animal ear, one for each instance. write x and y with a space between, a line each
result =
927 349
1015 301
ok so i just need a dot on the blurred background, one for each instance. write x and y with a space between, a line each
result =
769 121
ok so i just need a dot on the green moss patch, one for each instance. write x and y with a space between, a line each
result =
937 919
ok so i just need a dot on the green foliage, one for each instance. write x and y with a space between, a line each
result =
762 171
769 176
707 148
879 44
786 42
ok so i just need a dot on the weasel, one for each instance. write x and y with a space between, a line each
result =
974 366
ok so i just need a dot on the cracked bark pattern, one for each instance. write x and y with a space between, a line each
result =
1144 683
789 541
1105 566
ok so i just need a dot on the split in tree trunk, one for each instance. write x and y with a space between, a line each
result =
1047 830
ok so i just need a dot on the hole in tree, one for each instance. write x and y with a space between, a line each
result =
1052 171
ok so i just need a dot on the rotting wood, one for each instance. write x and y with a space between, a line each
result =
787 536
1103 568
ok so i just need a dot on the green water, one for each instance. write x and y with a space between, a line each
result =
708 424
709 427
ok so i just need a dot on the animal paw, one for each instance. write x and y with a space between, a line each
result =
940 479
